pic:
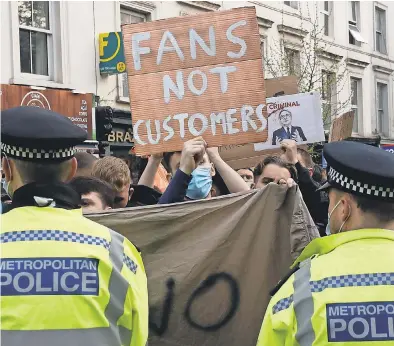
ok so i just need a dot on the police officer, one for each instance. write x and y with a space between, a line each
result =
65 280
342 287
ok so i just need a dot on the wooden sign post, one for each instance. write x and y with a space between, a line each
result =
196 76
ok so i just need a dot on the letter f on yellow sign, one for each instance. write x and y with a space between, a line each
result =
103 42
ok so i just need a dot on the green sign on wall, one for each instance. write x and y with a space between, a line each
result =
112 60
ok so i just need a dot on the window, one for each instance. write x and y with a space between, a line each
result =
292 4
380 30
356 102
128 17
328 95
355 36
35 37
293 61
382 121
326 9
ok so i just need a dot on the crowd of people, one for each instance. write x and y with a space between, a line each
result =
197 172
55 260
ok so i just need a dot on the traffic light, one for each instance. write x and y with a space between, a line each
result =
104 118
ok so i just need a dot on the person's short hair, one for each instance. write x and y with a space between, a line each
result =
34 172
306 157
85 185
167 159
317 173
85 160
276 160
114 171
384 211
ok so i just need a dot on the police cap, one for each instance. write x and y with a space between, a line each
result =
36 134
360 169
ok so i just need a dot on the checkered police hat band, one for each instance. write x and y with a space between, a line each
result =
37 154
359 187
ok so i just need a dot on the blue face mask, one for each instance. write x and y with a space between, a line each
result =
201 183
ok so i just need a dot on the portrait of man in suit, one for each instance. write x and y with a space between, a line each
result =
287 131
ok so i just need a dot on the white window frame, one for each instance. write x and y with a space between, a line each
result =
381 8
354 21
359 106
135 10
386 110
49 33
297 69
327 13
293 4
58 62
355 25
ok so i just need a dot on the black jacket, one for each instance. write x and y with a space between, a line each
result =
316 201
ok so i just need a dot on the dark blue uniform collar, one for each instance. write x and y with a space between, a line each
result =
58 195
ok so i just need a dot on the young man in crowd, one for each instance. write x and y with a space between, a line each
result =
115 172
192 171
85 162
275 170
316 201
96 195
247 175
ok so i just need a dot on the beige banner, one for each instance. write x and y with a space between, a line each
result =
211 263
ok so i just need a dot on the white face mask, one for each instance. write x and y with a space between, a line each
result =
6 187
5 184
328 228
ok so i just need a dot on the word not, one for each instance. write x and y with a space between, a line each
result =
224 119
205 286
49 276
369 321
179 88
194 39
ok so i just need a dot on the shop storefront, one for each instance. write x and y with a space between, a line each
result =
121 137
77 107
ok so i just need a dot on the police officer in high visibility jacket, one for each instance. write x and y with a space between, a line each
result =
65 280
341 291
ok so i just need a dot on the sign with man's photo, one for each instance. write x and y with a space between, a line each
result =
297 117
195 76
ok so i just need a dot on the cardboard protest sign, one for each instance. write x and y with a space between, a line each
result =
296 117
342 127
196 75
287 84
242 156
237 251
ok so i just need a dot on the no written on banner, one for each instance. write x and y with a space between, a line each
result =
196 76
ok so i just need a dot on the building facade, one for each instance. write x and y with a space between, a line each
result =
55 45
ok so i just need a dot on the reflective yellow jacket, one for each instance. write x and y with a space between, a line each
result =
66 280
343 296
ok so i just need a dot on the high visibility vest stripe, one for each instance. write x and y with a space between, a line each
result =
61 337
53 235
303 304
117 286
341 281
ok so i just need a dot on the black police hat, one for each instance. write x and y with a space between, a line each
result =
360 169
36 134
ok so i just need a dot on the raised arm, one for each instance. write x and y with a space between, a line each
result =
148 176
231 178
